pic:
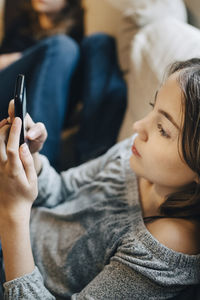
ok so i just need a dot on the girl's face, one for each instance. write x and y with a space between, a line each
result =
48 6
155 153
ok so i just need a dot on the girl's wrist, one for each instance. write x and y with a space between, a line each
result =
18 217
13 224
16 246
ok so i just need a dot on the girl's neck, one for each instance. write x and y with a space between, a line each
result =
150 200
46 21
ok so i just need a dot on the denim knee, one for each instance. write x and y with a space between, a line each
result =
98 41
62 46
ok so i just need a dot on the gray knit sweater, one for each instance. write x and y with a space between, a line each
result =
89 240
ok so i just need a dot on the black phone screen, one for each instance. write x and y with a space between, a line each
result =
20 103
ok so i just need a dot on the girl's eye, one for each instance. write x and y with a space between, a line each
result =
162 131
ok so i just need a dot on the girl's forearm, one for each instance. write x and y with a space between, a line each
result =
16 246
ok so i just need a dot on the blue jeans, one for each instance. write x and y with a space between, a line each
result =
103 94
49 67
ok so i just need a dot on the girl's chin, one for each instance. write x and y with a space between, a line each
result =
139 172
133 165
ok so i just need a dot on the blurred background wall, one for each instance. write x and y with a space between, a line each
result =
101 16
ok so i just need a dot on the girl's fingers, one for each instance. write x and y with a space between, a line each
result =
3 122
37 132
11 110
13 143
3 155
28 163
28 121
4 131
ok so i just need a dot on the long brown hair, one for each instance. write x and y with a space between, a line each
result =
186 203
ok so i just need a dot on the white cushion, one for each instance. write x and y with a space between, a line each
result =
145 11
137 14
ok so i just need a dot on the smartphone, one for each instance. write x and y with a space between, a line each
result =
20 104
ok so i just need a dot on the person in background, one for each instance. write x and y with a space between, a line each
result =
48 57
45 41
122 226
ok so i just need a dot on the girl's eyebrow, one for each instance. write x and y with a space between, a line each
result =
169 117
166 114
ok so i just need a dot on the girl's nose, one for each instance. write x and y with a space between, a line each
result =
140 127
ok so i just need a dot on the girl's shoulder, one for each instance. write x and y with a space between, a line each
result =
178 234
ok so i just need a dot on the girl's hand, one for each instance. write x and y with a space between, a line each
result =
18 179
36 135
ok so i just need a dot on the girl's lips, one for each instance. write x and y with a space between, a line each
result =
134 150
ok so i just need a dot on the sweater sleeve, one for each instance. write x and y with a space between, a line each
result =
118 281
54 188
28 287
